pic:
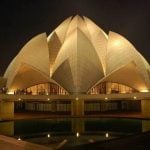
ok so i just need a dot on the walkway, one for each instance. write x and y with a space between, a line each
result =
8 143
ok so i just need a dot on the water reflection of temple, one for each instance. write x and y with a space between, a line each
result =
76 126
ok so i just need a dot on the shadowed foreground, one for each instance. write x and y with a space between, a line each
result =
138 142
8 143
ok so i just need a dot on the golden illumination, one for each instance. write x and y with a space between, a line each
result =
78 55
77 134
47 89
144 91
10 92
19 139
117 43
19 99
48 135
106 135
77 98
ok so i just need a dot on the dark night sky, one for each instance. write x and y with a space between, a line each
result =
20 20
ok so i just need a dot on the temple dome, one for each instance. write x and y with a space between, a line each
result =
78 55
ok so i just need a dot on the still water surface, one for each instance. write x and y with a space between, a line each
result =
74 131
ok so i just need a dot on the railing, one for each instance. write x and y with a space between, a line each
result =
106 97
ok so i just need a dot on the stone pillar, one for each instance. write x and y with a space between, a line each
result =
145 108
77 107
6 110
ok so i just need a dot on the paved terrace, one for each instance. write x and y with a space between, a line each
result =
8 143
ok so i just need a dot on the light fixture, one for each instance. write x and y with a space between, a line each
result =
48 99
106 135
144 90
48 135
77 98
77 134
10 92
19 99
19 139
134 97
106 98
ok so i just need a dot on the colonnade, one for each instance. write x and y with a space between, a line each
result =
77 108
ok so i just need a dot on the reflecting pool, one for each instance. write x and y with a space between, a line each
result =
68 132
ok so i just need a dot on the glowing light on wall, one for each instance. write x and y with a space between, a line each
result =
10 92
117 43
144 90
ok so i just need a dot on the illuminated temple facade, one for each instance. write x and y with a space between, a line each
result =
78 57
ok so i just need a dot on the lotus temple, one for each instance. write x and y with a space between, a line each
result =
77 70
